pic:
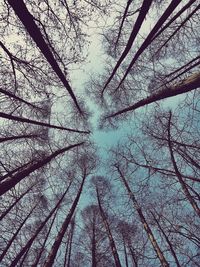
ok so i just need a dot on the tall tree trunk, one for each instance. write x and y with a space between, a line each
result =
178 174
10 173
54 249
167 240
70 243
94 261
16 201
16 233
35 264
11 138
148 40
190 83
7 93
28 21
22 119
134 258
146 226
31 240
10 183
110 237
137 25
125 253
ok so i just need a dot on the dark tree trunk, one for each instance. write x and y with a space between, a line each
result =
31 27
10 183
146 226
16 233
52 254
110 237
31 240
21 119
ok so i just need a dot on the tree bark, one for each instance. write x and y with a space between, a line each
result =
22 119
190 83
110 237
146 226
31 240
53 252
28 21
16 233
16 201
142 14
178 174
167 240
10 183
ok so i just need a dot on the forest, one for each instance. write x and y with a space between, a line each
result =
100 133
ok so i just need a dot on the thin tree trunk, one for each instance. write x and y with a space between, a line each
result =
125 253
22 119
137 25
10 173
134 259
16 233
189 84
146 226
178 174
7 93
10 183
70 243
167 240
11 138
123 19
31 240
110 237
94 262
35 264
28 21
54 249
16 201
148 40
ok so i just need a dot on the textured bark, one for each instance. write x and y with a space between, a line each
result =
16 201
110 237
148 40
31 240
11 138
142 218
7 93
35 264
11 182
16 233
137 25
167 240
31 27
22 119
53 252
178 174
187 85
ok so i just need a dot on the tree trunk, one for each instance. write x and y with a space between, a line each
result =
26 136
148 40
28 21
146 226
53 252
110 237
31 240
167 240
10 183
190 83
35 264
137 25
21 119
16 233
178 174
